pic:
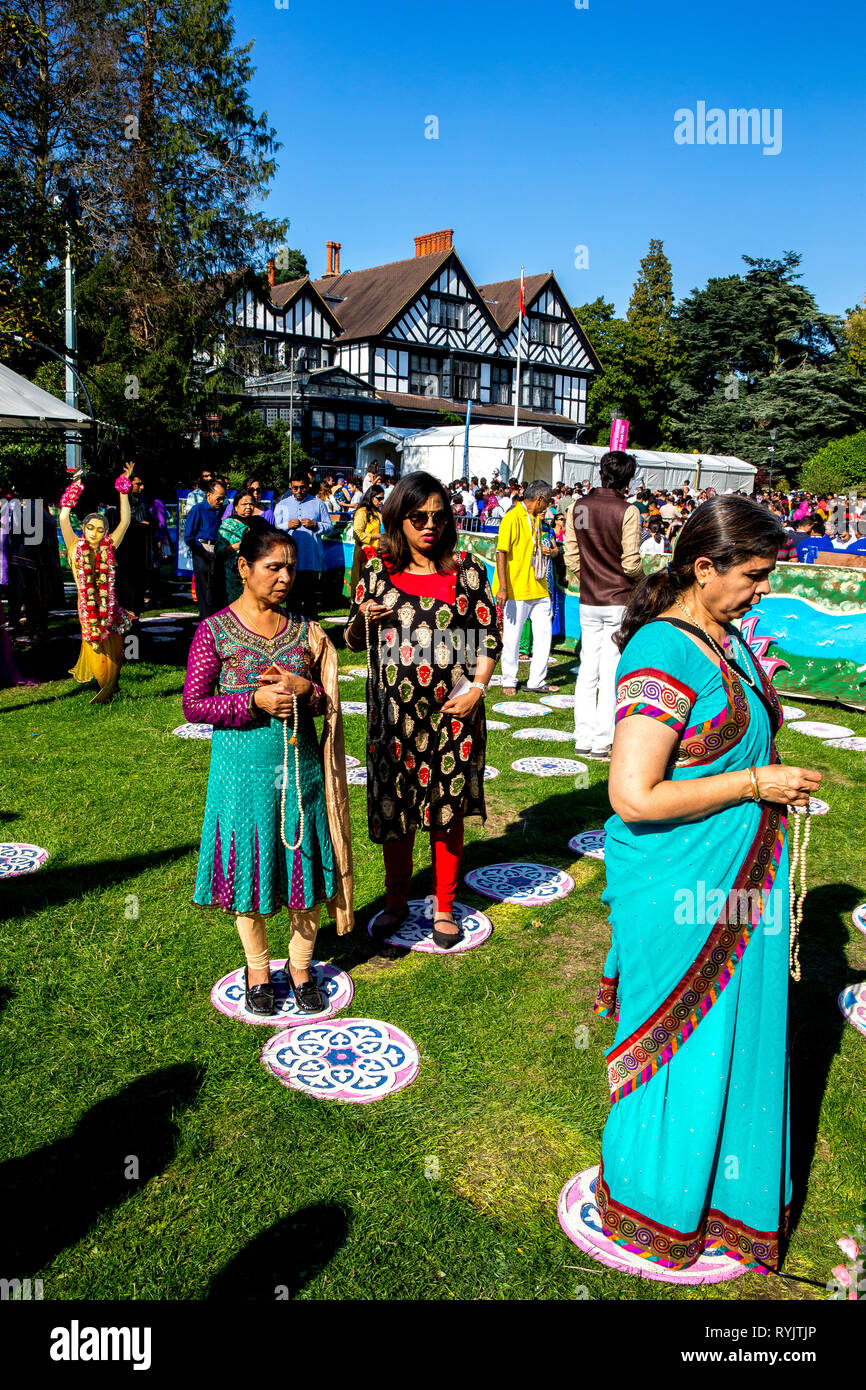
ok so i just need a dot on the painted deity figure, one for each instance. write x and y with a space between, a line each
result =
92 561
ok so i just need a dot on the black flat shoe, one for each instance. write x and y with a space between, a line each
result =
258 999
395 919
309 998
446 939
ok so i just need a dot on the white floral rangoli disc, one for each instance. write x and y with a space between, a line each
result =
490 773
550 767
855 744
352 679
558 701
227 995
166 617
351 1059
858 917
193 731
527 885
790 713
357 670
521 709
356 777
416 933
352 762
164 629
353 707
545 735
816 807
852 1002
497 724
579 1218
588 844
18 858
816 729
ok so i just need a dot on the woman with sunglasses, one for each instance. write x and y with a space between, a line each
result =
256 488
428 618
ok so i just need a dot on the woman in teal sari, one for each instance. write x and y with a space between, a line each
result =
695 1152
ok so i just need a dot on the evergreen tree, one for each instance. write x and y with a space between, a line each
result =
291 264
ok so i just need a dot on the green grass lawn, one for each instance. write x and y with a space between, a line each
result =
112 1051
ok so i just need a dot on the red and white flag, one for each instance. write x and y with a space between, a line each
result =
522 293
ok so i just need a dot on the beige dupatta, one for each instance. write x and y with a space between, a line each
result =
333 751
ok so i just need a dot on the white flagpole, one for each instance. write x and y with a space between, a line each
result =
519 344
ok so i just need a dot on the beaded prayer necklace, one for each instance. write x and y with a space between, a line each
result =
286 742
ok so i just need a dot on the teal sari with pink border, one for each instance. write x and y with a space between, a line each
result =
695 1151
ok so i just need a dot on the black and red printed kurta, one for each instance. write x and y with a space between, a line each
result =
425 769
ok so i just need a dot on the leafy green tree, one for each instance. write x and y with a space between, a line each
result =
839 467
855 339
291 264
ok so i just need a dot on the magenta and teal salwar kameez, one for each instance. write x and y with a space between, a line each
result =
695 1152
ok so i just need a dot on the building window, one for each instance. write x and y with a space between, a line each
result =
355 424
368 423
342 422
423 375
448 313
272 415
380 420
536 390
316 416
500 385
329 420
544 330
467 380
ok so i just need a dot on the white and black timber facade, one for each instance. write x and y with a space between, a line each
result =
412 340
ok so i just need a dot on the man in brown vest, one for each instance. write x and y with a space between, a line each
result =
602 554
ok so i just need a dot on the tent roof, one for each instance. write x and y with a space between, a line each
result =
490 437
651 458
25 406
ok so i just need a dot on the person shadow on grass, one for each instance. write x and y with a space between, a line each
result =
283 1258
52 1196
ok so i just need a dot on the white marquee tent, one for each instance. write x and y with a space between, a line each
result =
663 470
24 406
522 453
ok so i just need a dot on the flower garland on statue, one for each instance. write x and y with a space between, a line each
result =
95 574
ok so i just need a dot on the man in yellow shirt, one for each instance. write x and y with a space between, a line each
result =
520 586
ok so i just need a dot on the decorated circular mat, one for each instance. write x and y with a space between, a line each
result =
528 885
545 735
520 709
416 933
579 1218
352 762
353 707
550 767
18 858
194 731
816 807
790 713
352 1059
858 917
588 844
162 637
163 629
227 995
356 777
490 773
497 724
855 744
816 729
164 617
558 701
357 670
852 1002
351 679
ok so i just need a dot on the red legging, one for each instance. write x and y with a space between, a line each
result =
446 849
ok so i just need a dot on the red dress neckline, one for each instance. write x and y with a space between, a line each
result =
438 586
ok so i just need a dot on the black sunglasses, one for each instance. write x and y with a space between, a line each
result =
418 520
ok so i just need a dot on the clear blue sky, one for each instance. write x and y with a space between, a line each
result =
556 129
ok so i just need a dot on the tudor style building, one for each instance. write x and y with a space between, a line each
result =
400 344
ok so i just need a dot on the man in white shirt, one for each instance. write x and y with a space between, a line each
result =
308 521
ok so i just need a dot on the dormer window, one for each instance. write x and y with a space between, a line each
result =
545 330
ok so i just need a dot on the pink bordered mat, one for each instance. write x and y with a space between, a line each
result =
852 1002
18 858
579 1218
348 1059
416 933
227 995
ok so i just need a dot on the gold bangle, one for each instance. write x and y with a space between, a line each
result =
753 778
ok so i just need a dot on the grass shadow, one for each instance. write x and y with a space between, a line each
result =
281 1260
52 886
52 1196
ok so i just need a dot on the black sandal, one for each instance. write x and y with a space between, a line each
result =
446 939
258 999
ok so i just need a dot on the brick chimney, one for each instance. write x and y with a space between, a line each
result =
272 271
333 250
432 242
